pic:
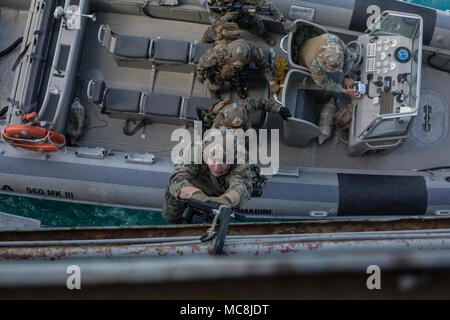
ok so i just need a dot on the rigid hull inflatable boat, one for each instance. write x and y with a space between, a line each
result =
130 68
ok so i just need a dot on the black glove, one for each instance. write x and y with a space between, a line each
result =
285 113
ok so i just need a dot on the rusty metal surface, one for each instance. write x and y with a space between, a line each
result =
332 226
257 246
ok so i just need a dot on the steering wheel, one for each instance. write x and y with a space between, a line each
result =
356 55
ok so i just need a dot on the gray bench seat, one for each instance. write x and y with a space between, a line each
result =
159 107
143 52
124 46
132 47
175 51
162 105
135 105
199 50
195 104
122 100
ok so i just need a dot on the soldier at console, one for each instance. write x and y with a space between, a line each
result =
324 54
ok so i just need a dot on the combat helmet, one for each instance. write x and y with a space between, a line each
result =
235 115
331 57
238 53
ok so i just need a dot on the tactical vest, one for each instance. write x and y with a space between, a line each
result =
208 183
310 50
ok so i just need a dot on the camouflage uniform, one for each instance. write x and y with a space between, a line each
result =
244 20
230 62
238 114
238 178
332 57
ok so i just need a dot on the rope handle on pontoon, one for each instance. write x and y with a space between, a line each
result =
101 34
282 42
275 96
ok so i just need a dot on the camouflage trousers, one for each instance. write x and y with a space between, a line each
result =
173 208
254 24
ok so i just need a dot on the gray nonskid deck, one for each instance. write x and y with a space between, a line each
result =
12 25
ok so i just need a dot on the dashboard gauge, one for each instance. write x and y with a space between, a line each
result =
385 47
394 43
384 70
385 63
379 42
378 71
386 41
381 56
403 55
378 64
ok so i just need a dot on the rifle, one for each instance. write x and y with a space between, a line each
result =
236 6
200 212
240 82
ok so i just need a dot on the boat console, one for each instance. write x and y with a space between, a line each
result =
385 64
387 69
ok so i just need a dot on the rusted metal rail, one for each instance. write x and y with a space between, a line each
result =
235 245
303 227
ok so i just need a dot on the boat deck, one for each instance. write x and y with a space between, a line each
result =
12 25
422 150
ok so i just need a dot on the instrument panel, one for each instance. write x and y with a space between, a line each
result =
385 78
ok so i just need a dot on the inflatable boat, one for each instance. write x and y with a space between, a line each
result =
122 73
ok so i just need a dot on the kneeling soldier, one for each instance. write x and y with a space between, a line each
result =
229 61
237 115
212 181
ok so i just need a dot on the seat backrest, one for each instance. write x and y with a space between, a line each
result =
199 50
160 104
302 127
122 100
132 47
194 104
175 51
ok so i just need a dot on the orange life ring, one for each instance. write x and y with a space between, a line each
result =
33 138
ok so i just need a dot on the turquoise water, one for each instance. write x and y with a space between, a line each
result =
54 214
437 4
62 214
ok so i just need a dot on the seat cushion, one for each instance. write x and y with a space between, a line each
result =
171 50
132 47
165 105
199 50
197 103
122 100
